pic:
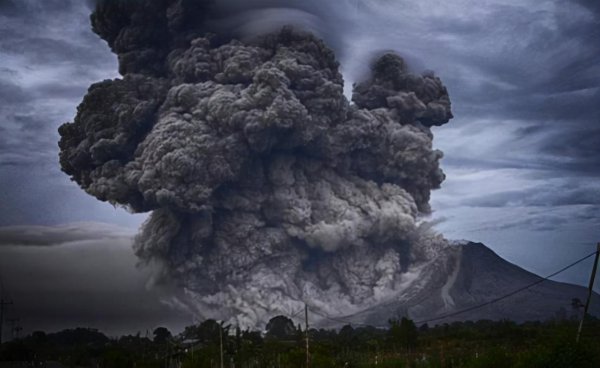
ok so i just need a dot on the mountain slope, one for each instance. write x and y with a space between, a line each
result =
468 275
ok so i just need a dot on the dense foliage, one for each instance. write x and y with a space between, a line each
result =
462 344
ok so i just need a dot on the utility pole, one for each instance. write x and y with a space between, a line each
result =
18 330
221 342
306 326
2 304
590 292
13 323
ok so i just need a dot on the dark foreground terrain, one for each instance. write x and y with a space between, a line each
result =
403 344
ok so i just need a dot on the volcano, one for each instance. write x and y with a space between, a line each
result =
467 275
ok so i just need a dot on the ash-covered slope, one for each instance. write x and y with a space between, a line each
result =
471 274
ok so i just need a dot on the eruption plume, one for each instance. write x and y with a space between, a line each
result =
267 187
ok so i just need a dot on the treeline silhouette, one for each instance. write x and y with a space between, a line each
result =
403 344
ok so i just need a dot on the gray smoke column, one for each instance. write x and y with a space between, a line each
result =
267 187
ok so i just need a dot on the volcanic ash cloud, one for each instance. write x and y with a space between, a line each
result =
266 186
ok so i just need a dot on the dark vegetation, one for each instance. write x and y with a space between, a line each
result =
461 344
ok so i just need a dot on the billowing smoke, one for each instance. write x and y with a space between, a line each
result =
267 187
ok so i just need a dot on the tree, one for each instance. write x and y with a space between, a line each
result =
161 335
281 327
39 337
347 338
403 333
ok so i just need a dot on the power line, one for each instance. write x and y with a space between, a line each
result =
297 313
334 319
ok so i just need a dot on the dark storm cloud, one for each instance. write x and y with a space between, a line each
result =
537 60
524 152
549 220
541 222
526 99
564 195
593 5
49 56
559 152
575 150
545 54
534 104
582 143
565 151
23 144
11 93
8 7
43 51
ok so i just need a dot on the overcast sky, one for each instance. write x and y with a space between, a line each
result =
522 155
